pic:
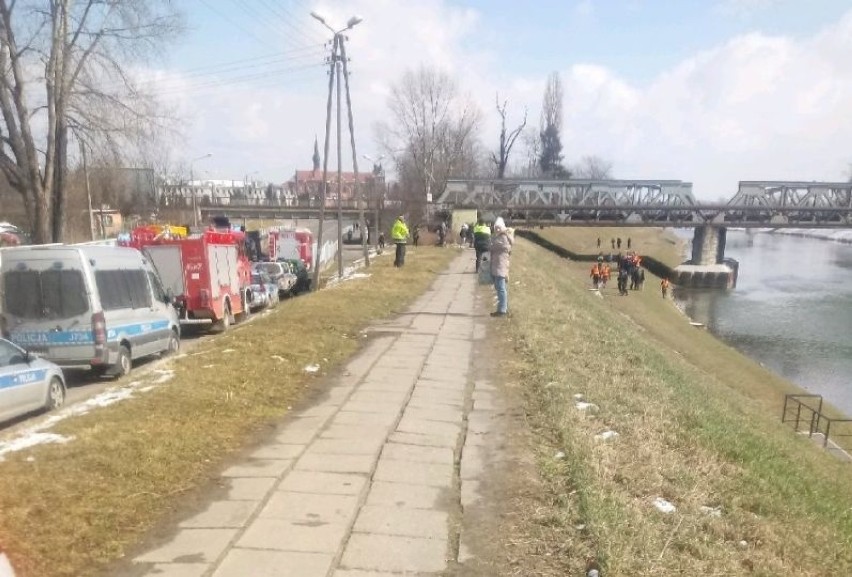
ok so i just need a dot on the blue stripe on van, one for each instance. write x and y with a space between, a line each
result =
23 378
72 338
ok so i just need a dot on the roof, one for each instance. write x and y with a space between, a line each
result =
316 176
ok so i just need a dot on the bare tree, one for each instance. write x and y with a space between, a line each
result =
593 168
432 130
507 140
550 160
64 66
532 146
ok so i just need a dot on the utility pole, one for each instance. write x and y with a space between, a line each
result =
339 175
334 65
361 219
317 259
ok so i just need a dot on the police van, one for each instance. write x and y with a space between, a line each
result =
86 306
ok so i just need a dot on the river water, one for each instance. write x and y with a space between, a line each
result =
791 310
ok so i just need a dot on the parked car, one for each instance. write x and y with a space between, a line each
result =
95 306
264 291
280 274
303 276
27 383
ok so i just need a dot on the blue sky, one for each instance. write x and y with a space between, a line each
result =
646 71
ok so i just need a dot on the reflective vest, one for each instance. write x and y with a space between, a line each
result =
399 232
595 271
482 229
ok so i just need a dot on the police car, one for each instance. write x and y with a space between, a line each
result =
27 383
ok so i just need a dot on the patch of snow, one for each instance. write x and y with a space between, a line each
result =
584 406
312 368
278 358
664 506
711 511
743 544
30 440
229 351
6 566
578 396
606 435
559 456
165 376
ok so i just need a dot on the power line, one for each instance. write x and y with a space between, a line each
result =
290 21
224 82
232 21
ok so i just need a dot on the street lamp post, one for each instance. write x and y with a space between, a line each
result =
192 186
338 58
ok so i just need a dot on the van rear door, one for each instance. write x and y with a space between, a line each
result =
47 305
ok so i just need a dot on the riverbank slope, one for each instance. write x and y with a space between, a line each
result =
636 413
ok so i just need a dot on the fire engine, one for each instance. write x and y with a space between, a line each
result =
209 274
291 244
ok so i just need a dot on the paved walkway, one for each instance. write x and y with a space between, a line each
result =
371 481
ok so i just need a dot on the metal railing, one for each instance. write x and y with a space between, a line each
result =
817 423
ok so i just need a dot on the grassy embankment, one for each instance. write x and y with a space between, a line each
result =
698 425
73 508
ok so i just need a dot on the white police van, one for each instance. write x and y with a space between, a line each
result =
89 306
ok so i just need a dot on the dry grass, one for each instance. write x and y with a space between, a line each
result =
663 244
694 428
74 508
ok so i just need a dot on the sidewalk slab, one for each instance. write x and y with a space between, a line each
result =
191 545
323 483
395 554
431 474
383 493
305 507
289 535
381 520
273 564
223 514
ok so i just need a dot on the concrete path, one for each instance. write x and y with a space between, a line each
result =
371 481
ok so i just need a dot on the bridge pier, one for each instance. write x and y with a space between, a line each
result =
708 268
708 245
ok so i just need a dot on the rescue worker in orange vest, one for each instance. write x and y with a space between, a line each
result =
605 273
664 287
596 275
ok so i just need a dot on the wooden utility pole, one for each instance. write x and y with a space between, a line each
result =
317 257
361 219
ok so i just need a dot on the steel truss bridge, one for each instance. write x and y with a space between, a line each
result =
654 203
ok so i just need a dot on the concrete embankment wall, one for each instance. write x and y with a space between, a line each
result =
685 275
648 262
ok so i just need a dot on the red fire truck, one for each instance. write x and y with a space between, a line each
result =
291 244
209 274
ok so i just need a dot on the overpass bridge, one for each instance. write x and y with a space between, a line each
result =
623 203
665 203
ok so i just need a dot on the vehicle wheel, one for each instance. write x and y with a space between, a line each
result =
222 324
124 364
174 344
55 395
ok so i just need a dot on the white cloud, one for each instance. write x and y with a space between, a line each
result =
754 107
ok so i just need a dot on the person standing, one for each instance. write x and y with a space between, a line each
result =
415 235
629 242
481 240
399 235
599 242
664 287
595 275
463 234
618 243
501 249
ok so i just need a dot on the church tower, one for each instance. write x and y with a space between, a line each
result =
316 155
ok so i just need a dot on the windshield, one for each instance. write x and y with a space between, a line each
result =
47 294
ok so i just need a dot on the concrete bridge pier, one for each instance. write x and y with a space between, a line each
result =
708 245
708 268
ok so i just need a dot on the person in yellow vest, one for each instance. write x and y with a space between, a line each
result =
399 235
481 240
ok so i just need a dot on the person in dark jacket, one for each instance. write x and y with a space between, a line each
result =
481 240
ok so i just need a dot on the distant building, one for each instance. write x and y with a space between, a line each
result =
306 185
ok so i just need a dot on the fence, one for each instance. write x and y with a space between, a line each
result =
817 423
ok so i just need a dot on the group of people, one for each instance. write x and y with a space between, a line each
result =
630 272
616 243
497 244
